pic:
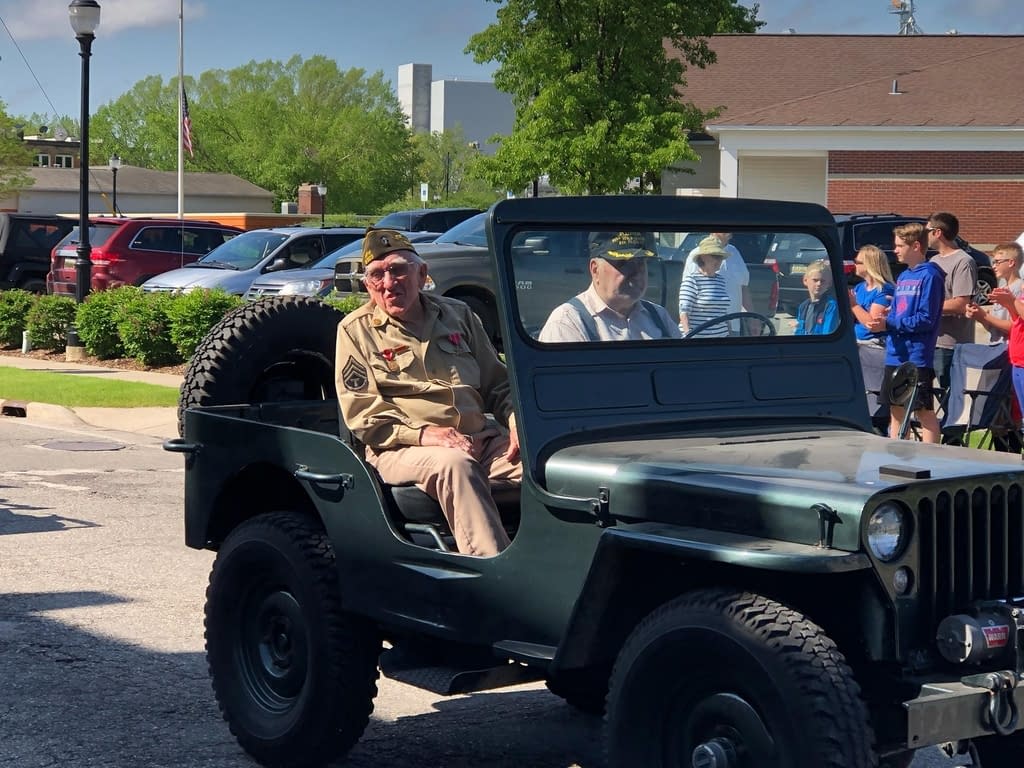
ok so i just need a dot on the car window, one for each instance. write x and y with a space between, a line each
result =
34 235
469 232
397 220
554 292
879 234
245 250
98 234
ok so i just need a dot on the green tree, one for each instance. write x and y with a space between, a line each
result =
598 99
15 157
274 124
450 165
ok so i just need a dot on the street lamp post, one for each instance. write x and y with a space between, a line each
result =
115 164
321 190
85 18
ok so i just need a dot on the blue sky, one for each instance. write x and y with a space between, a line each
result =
138 38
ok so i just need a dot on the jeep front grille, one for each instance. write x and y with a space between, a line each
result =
972 547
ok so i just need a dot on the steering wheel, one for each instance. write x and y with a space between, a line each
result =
765 321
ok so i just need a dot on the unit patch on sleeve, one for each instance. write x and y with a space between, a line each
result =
353 375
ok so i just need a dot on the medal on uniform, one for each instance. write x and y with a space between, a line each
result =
391 354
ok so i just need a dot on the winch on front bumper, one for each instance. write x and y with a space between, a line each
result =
990 634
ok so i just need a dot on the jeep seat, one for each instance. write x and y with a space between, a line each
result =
417 515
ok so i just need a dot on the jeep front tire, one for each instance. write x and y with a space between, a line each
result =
734 679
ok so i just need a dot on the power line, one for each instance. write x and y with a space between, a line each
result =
29 66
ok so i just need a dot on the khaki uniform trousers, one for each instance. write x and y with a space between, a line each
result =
460 483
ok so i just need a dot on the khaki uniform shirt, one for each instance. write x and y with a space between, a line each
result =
393 380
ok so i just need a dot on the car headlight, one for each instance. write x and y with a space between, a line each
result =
429 284
888 531
305 287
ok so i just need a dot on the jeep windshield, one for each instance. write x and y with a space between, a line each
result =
684 281
243 251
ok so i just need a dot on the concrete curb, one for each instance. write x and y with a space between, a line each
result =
152 421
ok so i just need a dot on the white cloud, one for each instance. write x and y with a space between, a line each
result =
39 21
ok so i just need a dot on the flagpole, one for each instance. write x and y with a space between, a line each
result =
181 109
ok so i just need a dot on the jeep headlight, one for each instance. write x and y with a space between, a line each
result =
888 531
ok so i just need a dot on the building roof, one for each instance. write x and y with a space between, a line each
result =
143 181
957 81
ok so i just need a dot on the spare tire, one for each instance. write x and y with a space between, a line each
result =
271 350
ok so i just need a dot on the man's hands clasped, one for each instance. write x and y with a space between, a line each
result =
449 437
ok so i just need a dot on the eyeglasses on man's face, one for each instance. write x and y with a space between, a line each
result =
375 275
1002 261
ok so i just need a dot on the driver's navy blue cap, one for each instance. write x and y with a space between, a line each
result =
619 246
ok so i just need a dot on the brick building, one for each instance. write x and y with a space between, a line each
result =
872 123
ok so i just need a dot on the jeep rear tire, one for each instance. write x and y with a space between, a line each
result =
738 680
294 675
270 350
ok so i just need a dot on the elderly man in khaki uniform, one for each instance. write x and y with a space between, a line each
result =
416 375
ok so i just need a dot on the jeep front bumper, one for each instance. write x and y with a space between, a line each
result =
977 705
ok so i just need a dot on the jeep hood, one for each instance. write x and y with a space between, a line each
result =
760 484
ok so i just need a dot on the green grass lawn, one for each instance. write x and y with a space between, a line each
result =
78 390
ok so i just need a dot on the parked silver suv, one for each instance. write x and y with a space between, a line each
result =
318 280
234 265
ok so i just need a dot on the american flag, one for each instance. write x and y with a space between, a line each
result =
186 125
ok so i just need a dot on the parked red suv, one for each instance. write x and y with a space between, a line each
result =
130 251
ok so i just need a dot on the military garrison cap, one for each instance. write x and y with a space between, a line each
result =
378 243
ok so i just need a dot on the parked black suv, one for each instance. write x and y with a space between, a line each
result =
427 219
25 244
856 230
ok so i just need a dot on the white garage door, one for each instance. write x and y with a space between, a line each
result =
802 179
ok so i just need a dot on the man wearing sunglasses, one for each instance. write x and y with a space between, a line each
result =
416 374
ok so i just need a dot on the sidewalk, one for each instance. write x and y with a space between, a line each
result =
157 422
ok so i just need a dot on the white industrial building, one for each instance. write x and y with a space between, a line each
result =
480 109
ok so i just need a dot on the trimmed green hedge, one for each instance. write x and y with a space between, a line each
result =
154 328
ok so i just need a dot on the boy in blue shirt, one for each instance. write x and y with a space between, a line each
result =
817 315
912 323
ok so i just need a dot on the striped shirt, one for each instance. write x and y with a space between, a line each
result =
702 298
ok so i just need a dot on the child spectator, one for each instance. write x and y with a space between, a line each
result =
874 293
997 319
1014 306
704 294
818 314
912 324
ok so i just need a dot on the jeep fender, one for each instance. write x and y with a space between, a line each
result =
638 568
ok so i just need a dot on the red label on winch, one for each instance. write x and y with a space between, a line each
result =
997 636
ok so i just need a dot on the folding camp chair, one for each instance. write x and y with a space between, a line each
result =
979 411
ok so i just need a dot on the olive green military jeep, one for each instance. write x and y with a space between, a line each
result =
711 545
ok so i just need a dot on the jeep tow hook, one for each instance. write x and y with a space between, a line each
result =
1003 715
